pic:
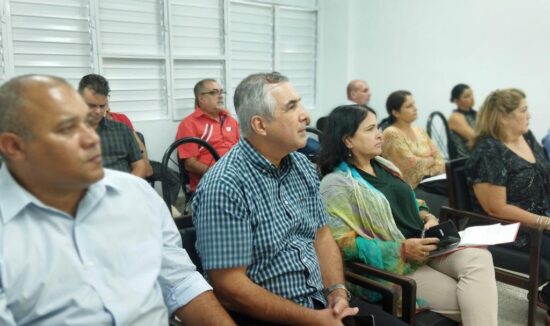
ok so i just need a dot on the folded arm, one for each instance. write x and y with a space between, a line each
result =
492 199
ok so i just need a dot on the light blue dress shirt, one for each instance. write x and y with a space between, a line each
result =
119 262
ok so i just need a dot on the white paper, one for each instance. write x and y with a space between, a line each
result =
488 234
442 176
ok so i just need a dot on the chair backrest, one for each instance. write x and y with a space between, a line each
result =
460 196
312 147
183 173
321 123
188 239
315 131
438 130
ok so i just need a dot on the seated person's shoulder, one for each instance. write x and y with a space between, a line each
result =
487 145
230 166
126 180
391 130
334 180
119 126
456 117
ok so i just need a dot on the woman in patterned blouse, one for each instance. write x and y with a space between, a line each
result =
407 146
508 169
376 219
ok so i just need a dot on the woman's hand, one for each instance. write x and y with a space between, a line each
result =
429 221
418 249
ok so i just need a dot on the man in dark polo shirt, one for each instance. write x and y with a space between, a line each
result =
119 148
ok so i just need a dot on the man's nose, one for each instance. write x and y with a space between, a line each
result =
89 136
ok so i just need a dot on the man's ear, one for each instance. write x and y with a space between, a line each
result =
257 124
12 146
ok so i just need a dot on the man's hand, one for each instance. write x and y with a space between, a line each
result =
327 316
338 303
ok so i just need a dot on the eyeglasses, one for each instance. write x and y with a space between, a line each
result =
214 92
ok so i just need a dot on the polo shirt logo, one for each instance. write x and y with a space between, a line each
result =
228 128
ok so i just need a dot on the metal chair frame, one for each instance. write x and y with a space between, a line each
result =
184 175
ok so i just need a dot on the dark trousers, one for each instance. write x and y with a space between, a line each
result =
361 319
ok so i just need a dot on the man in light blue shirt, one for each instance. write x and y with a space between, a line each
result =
80 244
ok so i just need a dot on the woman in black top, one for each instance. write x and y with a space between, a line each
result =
508 169
463 119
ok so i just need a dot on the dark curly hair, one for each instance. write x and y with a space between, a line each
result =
342 121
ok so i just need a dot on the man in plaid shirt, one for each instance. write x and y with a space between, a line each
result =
119 148
262 232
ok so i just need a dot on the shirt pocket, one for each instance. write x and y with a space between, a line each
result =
310 219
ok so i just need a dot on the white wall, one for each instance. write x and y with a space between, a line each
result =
334 54
429 46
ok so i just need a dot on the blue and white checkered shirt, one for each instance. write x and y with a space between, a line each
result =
248 212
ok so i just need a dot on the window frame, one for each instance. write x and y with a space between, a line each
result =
169 58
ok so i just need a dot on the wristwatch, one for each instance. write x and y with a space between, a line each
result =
328 290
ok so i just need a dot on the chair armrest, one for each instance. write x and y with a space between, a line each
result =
453 213
389 299
408 287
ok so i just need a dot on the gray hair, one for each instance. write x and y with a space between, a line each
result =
13 98
199 88
253 97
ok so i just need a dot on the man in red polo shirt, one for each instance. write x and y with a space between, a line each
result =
211 122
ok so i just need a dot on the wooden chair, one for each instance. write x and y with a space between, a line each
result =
508 262
311 150
358 271
438 130
355 273
184 175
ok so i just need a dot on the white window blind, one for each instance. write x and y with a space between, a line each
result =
293 3
297 50
138 87
186 74
51 38
131 28
197 27
134 53
251 34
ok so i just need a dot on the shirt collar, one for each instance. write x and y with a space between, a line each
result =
261 162
15 198
103 124
199 113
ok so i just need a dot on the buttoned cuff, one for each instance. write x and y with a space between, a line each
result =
182 294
